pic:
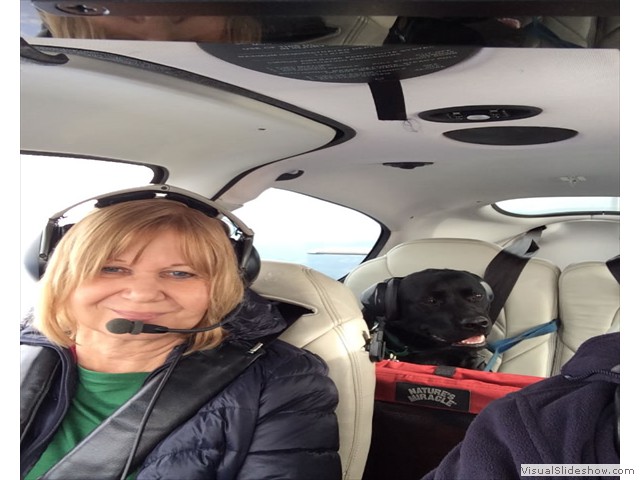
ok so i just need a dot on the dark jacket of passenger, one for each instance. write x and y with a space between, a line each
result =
276 420
570 418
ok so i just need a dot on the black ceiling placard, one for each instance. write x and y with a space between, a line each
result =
340 63
511 135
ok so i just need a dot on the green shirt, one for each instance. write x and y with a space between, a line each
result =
98 396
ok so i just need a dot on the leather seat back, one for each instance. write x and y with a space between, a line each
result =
335 330
589 306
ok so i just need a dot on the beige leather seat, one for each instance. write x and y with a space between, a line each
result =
585 32
335 330
356 30
589 306
533 300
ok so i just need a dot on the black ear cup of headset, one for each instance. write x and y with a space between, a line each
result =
488 290
381 299
241 236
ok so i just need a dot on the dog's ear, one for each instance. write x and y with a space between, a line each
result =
488 290
381 299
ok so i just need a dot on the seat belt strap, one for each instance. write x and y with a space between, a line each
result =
195 380
500 346
526 245
501 274
613 264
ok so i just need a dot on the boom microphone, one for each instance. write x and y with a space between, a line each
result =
135 327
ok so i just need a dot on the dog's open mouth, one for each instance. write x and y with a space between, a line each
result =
475 341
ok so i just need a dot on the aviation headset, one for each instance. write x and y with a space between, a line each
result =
241 236
381 299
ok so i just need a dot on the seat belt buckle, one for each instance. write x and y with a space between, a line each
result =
377 346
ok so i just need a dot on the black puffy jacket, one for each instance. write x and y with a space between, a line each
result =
275 421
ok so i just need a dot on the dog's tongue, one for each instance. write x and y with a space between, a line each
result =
473 340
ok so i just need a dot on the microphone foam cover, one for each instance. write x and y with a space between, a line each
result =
120 325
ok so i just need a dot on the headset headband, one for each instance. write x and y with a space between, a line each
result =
242 236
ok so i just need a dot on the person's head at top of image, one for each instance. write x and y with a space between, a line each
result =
213 29
157 261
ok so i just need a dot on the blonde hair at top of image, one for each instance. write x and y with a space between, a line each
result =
106 232
238 29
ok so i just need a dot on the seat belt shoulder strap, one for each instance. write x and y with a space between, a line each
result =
501 274
194 381
613 264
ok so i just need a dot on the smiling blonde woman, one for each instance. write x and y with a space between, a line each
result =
162 264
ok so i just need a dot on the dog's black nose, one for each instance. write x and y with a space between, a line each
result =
474 323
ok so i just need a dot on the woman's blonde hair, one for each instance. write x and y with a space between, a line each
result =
107 232
238 29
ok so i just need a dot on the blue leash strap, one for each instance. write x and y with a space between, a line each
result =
500 346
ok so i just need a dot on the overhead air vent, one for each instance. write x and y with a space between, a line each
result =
479 113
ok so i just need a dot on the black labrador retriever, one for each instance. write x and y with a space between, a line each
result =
434 317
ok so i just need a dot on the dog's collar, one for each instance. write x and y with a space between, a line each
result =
398 349
394 348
